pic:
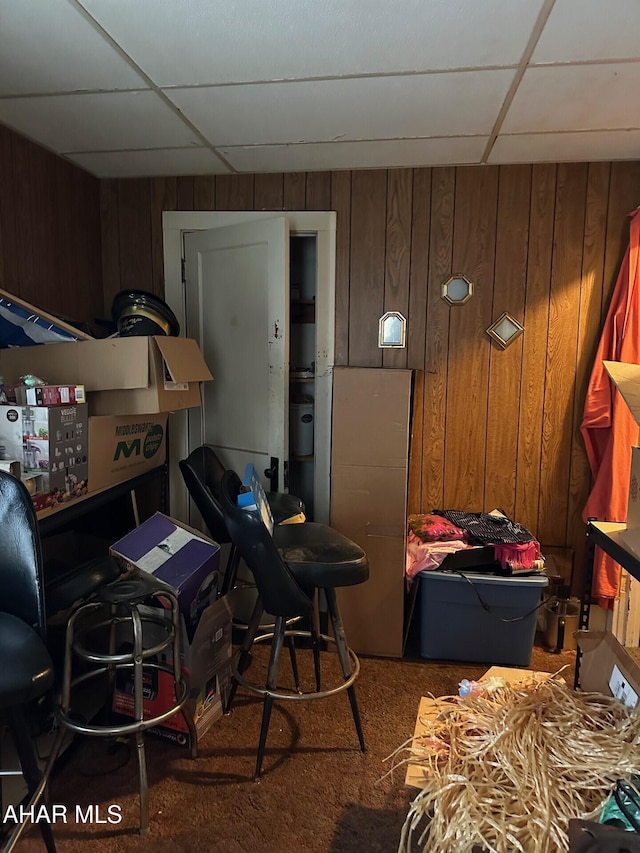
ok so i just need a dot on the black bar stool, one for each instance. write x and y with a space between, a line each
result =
27 673
307 559
202 472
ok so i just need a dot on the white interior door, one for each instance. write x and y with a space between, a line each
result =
175 225
237 308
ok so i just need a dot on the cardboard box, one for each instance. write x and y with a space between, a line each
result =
627 379
386 396
125 446
369 474
52 446
11 444
50 395
189 562
132 375
607 667
56 446
207 662
12 466
178 555
373 612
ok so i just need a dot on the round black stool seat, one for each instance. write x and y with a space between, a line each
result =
129 627
320 556
133 588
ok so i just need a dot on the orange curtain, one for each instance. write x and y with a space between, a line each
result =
608 427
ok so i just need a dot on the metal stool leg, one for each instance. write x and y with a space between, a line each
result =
229 578
244 654
315 639
343 654
272 675
138 696
27 757
290 641
143 784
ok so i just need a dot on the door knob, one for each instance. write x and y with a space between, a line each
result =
271 473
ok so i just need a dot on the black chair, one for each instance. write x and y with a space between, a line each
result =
202 472
27 673
308 559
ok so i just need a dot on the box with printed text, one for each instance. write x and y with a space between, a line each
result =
51 444
124 447
189 562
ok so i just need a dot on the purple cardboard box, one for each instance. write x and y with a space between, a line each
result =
189 562
178 555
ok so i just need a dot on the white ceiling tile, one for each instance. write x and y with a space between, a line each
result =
447 104
567 147
377 108
129 164
185 42
105 122
587 30
576 97
47 46
356 155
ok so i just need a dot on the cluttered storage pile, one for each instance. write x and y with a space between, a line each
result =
480 578
533 766
455 539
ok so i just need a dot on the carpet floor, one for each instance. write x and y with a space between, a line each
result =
318 792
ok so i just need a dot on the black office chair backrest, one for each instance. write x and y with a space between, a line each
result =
279 592
202 472
21 581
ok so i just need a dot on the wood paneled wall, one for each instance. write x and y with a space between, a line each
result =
491 427
50 237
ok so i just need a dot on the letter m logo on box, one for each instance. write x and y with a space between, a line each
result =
127 449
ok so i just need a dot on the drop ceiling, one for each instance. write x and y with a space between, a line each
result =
129 88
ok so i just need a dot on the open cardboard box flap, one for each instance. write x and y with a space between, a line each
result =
183 359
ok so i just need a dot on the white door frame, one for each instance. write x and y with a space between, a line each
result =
323 225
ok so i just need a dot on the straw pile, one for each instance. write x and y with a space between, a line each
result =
508 767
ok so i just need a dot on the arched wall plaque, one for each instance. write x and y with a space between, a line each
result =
392 329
